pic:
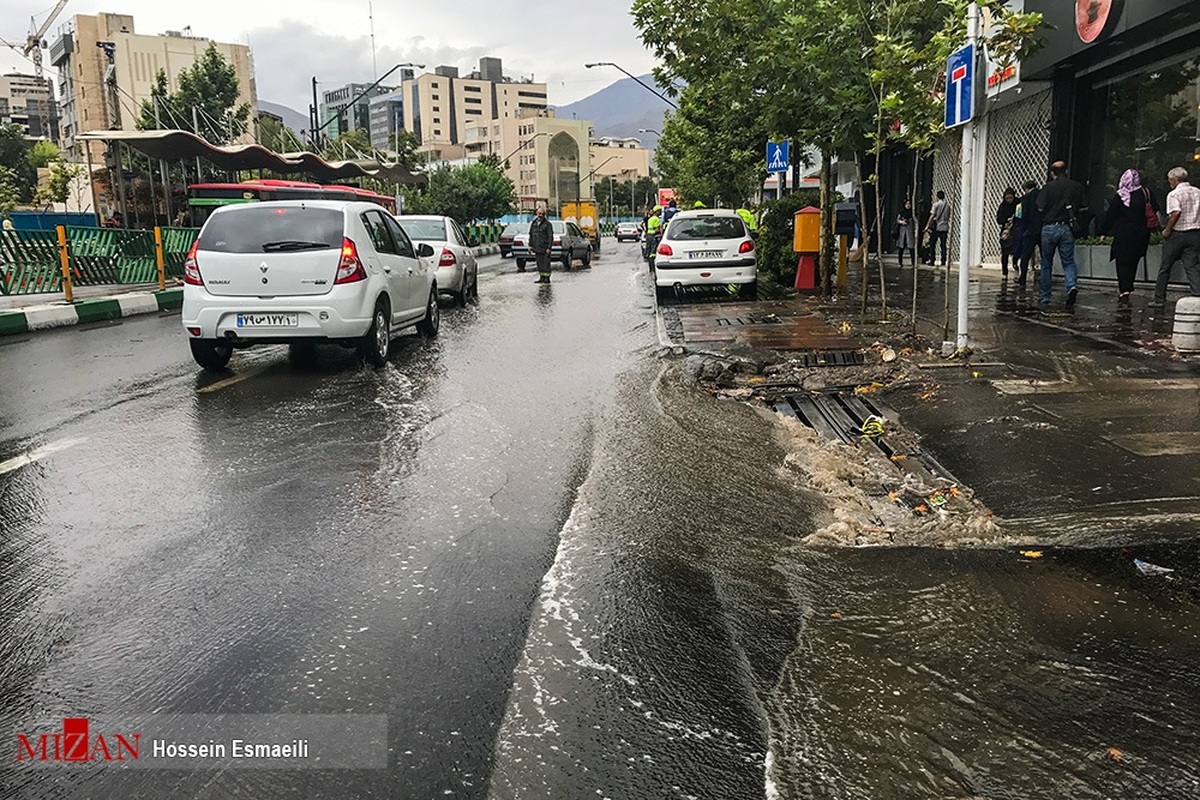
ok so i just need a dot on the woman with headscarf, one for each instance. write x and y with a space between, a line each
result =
906 235
1132 214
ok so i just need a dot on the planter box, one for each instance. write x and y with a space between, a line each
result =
1152 263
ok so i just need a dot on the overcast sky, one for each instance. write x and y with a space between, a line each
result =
549 40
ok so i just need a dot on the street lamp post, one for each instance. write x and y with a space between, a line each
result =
647 86
649 130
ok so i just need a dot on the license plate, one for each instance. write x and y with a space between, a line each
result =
268 320
706 254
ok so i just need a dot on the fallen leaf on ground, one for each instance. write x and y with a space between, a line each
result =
836 615
1032 553
1114 754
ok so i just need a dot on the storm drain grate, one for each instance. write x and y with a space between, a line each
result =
841 417
832 358
748 320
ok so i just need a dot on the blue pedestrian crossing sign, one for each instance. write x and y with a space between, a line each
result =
777 156
960 86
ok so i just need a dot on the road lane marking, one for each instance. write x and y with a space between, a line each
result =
1114 385
230 381
37 454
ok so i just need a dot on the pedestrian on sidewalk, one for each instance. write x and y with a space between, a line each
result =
1181 235
1060 201
1029 230
1131 213
541 240
906 235
939 227
1008 227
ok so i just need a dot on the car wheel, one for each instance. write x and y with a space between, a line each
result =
586 261
750 290
661 293
566 260
460 297
428 327
376 343
520 265
475 288
212 354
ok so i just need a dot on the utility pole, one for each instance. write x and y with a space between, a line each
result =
315 130
196 130
967 166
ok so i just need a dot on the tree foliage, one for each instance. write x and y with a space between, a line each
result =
210 88
58 183
349 146
468 194
10 190
21 175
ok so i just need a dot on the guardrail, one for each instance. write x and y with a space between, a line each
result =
37 262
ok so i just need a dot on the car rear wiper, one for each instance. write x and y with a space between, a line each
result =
294 244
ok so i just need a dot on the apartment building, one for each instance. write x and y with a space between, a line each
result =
440 106
28 101
620 158
81 52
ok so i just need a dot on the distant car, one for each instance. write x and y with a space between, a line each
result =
628 231
706 247
570 243
507 235
457 271
303 272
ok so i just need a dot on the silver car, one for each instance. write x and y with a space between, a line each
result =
457 271
570 243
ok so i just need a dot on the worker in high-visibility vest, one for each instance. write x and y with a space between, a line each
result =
748 218
653 234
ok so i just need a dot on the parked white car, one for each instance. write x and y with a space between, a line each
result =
706 248
304 271
457 271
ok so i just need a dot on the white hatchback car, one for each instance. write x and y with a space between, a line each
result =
457 271
706 248
304 271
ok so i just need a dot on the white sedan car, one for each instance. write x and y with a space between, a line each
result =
302 272
708 248
457 272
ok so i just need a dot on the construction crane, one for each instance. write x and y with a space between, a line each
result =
33 50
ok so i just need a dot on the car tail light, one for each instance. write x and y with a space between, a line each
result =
194 331
191 267
447 259
557 241
665 250
746 247
350 268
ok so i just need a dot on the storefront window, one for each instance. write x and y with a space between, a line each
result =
1150 121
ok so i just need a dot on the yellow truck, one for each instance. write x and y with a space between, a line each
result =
583 214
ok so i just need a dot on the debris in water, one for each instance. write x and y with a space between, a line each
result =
872 426
888 355
1032 553
836 615
846 328
1147 568
1113 753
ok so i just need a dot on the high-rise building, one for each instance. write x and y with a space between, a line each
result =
440 106
102 93
386 118
28 101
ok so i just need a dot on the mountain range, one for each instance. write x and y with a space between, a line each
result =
621 109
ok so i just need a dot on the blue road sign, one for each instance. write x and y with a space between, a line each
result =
960 86
777 156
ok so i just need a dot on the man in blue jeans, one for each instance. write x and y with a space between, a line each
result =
1059 201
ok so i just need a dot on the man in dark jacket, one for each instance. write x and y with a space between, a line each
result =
541 240
1060 201
1029 230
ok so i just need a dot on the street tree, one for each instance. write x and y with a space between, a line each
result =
57 186
207 93
349 146
468 194
43 153
14 157
10 190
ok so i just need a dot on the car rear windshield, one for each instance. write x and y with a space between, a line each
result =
516 227
424 230
707 228
259 229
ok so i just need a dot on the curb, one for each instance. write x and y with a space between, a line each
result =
485 250
62 314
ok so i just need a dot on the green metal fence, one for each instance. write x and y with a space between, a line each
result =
30 262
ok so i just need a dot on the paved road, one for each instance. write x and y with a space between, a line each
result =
560 570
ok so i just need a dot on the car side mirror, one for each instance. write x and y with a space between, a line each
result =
425 250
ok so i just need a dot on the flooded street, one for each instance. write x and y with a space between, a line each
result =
562 570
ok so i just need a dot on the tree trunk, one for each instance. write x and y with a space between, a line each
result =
827 239
863 232
879 220
916 238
